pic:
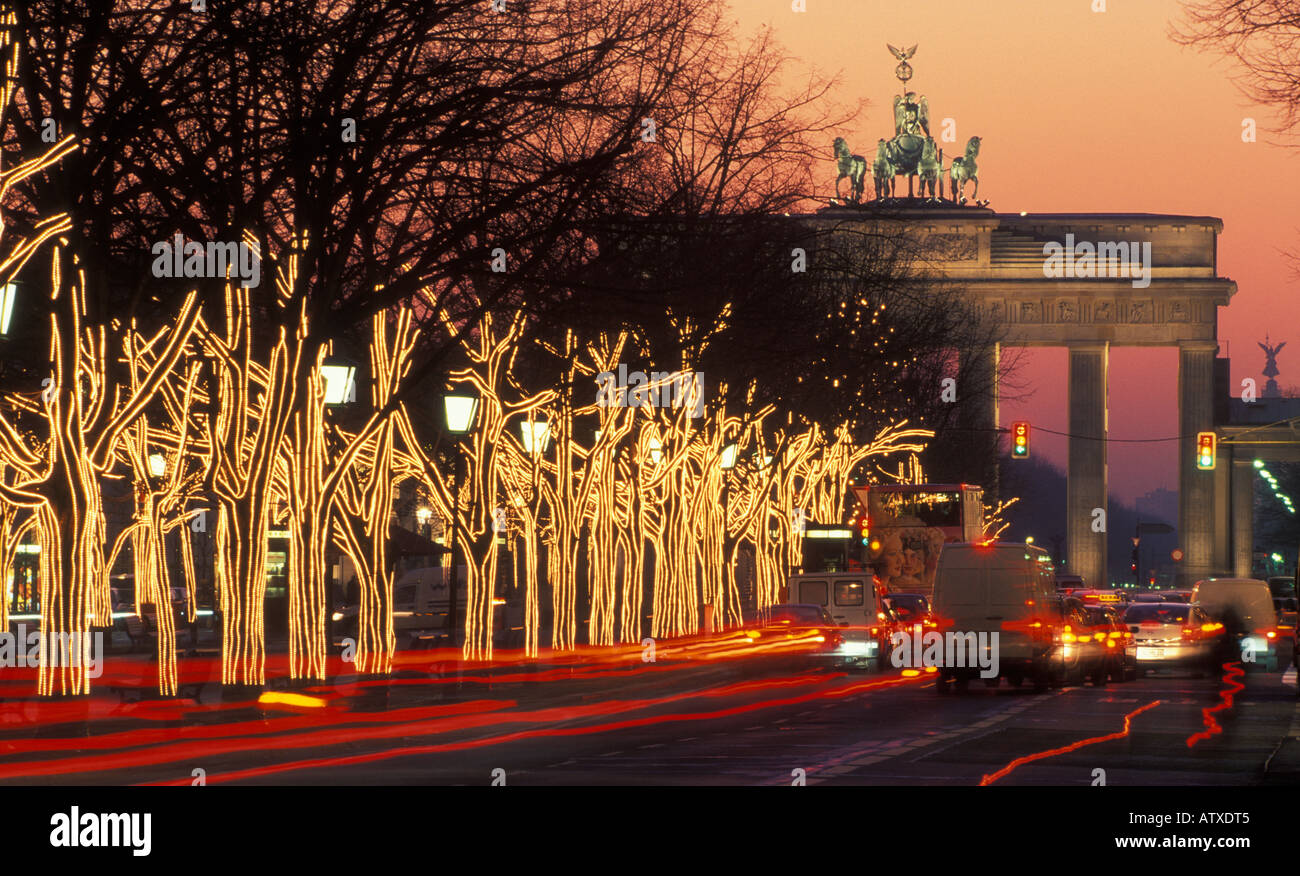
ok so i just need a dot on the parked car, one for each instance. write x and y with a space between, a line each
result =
1174 635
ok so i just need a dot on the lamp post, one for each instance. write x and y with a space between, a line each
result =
536 436
340 381
461 411
8 297
726 462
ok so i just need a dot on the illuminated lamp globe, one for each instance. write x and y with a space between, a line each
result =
460 411
536 436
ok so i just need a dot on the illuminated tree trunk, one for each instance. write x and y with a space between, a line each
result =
151 584
241 577
308 538
73 526
532 603
254 405
602 557
480 588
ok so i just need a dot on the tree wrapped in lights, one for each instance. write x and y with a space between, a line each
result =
490 351
366 482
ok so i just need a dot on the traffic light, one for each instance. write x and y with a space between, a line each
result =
1020 440
1205 450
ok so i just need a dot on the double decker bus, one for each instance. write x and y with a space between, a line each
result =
891 544
896 531
901 528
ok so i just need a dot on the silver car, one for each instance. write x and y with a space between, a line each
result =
1171 635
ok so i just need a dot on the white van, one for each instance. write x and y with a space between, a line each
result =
1007 588
1245 607
852 601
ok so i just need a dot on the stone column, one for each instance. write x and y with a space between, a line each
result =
1195 487
980 376
1243 521
1223 511
1086 485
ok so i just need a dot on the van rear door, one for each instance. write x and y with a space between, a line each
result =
853 601
809 591
1008 588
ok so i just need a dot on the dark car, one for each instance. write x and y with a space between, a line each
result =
1281 586
1083 653
1121 648
911 608
801 631
1286 608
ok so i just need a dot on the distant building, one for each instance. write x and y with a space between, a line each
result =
1158 505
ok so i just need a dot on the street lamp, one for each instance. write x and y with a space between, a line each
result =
656 450
340 381
157 465
8 296
461 411
726 462
536 436
728 459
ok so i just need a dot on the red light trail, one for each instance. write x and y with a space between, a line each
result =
1231 672
1074 746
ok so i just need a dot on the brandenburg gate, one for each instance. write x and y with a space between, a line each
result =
1083 281
1005 262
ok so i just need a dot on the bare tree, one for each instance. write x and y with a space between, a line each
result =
1263 37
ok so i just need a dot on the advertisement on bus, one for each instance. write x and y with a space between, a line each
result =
903 528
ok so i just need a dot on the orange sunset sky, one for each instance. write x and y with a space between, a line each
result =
1084 111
